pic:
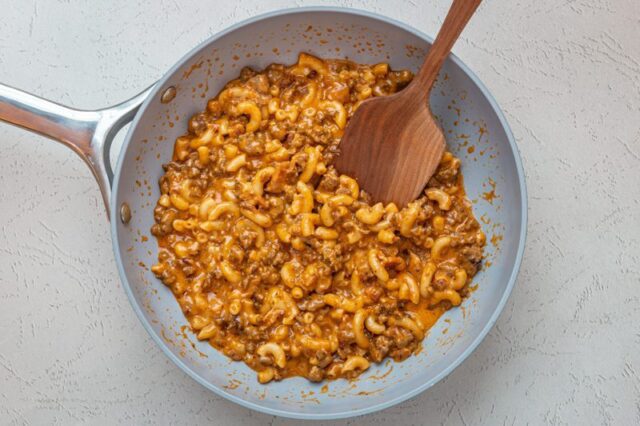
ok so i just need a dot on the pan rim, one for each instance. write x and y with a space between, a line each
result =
409 393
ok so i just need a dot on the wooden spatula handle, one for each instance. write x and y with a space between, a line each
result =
457 18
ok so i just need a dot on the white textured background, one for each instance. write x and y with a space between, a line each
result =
565 351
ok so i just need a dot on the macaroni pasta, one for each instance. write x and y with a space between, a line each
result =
281 262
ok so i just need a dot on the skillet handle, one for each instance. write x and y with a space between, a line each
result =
88 133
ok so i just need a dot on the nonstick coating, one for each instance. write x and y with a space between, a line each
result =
469 117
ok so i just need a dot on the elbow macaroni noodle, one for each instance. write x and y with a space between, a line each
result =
279 261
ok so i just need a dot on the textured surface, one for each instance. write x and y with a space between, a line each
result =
566 349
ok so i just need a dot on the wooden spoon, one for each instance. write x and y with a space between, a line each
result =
393 145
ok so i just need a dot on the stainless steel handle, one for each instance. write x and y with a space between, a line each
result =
88 133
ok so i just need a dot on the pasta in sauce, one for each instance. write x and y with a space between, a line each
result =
279 261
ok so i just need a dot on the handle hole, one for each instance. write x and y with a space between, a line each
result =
116 148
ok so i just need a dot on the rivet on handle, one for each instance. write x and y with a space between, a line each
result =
125 213
168 95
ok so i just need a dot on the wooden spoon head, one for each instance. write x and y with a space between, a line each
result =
392 146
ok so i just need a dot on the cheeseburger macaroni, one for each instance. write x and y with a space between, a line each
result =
281 262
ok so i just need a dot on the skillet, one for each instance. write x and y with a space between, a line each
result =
466 111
